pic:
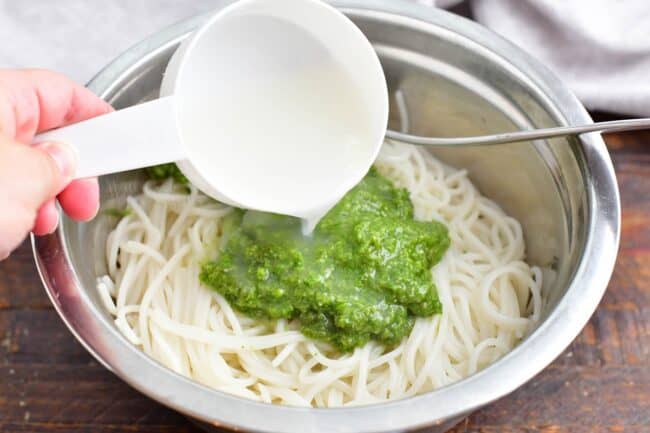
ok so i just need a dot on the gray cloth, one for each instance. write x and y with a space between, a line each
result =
601 48
79 37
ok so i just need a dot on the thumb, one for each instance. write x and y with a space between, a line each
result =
35 174
29 177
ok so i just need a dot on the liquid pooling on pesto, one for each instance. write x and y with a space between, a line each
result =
364 274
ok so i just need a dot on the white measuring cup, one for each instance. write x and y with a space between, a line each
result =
274 105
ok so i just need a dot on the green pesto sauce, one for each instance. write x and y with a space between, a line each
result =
164 171
117 212
364 274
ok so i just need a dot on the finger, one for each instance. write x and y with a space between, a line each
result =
15 223
29 177
33 101
47 218
80 199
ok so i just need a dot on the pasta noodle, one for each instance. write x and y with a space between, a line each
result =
490 298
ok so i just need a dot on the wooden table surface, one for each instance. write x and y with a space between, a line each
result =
601 383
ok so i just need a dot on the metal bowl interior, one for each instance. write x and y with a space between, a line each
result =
457 79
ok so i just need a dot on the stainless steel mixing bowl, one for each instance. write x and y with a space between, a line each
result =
458 78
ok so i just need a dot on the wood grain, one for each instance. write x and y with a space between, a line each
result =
601 383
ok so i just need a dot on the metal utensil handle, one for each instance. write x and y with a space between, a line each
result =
512 137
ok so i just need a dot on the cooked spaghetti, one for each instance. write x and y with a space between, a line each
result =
490 298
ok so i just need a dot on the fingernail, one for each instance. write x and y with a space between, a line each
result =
65 157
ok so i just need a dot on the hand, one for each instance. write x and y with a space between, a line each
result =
32 177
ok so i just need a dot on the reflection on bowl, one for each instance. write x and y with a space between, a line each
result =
457 79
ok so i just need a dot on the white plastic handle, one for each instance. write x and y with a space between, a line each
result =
135 137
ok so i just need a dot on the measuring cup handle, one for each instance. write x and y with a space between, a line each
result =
134 137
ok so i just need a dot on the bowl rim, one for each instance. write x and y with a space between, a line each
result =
217 408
